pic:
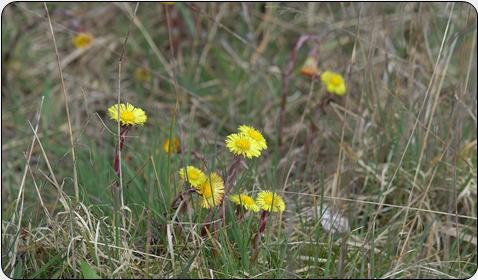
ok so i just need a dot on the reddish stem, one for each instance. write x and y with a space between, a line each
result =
239 213
285 78
262 228
124 130
263 222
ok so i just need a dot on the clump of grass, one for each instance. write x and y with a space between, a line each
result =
394 158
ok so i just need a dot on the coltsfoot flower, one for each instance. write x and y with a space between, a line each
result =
193 175
129 115
241 144
270 201
309 69
246 202
334 82
142 74
211 191
175 145
254 134
82 40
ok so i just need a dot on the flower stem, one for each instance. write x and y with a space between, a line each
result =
180 196
257 235
116 186
231 174
124 130
239 213
285 79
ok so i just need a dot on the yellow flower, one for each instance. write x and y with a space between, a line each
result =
243 145
212 191
142 74
168 3
334 82
254 134
244 200
193 175
82 40
309 69
129 115
270 201
175 145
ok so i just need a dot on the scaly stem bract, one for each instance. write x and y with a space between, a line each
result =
256 237
124 130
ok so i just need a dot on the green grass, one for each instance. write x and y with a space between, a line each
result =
395 156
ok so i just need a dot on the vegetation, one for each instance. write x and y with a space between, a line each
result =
262 140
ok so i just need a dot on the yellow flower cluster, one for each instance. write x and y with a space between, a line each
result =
334 83
142 74
211 188
193 175
128 114
249 142
175 145
82 40
309 69
266 200
212 191
244 200
270 201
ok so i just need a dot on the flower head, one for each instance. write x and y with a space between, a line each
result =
270 201
129 115
142 74
334 82
255 135
211 191
244 200
243 145
82 40
309 69
175 145
193 175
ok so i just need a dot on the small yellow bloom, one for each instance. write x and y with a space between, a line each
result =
193 175
244 200
254 134
82 40
168 3
211 191
175 145
334 82
270 201
142 74
243 145
129 115
309 69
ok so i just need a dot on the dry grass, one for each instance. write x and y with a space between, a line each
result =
395 156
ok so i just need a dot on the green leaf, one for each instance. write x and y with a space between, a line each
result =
187 18
18 272
53 261
87 271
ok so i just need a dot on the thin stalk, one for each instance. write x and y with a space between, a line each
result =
175 84
262 228
232 172
120 138
285 80
65 97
